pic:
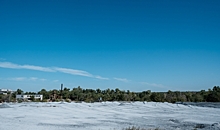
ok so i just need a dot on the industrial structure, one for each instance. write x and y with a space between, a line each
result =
28 97
6 91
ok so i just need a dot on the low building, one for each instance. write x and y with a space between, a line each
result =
5 91
28 97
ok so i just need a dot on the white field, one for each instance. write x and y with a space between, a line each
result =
106 116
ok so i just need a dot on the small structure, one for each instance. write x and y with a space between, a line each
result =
28 97
6 91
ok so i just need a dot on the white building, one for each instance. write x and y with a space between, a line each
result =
5 91
27 97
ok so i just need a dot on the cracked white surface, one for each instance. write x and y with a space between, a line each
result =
106 116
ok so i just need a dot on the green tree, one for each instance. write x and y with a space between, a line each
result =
155 97
19 91
214 95
32 98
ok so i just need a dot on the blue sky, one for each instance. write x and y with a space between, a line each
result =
131 45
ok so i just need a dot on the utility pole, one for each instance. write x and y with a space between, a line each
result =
61 92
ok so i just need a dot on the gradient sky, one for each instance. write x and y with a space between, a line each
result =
135 45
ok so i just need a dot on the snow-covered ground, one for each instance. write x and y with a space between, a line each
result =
106 116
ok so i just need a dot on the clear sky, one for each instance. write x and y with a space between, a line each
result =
135 45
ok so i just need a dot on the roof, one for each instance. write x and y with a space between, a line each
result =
5 90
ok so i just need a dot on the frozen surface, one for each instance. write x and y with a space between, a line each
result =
107 116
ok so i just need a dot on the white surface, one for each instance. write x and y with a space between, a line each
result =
105 116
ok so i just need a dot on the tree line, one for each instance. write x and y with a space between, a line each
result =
90 95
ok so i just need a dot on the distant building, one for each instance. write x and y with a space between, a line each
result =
27 97
6 91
